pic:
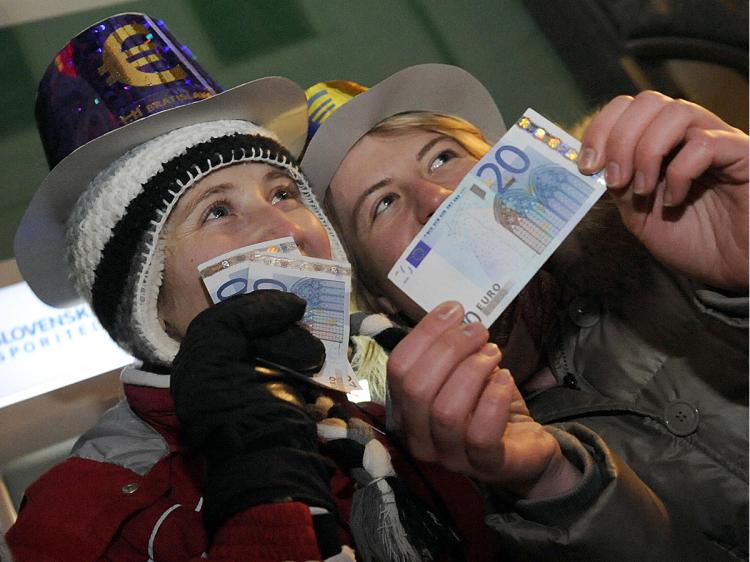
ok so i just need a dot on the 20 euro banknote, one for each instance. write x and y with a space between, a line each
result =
324 284
502 222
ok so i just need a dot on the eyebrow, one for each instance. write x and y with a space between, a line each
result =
273 174
426 148
364 195
213 190
227 186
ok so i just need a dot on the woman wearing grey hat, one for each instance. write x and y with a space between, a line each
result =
639 363
215 453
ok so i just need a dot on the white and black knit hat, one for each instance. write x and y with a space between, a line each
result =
114 235
123 146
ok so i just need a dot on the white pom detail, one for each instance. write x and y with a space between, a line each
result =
330 432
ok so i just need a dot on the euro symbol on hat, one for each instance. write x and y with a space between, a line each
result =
121 64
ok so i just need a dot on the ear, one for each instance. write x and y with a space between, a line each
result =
164 308
166 326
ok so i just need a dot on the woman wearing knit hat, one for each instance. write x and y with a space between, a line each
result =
211 455
608 343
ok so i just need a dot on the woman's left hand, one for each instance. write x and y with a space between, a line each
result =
456 408
679 175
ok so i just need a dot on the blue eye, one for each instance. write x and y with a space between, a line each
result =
281 195
383 204
217 211
284 191
441 159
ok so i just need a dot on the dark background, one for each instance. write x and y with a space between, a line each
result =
561 58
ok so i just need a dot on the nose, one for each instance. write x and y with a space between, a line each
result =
428 196
278 224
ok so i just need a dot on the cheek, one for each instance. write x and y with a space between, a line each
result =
458 173
379 253
395 237
378 249
181 277
180 270
182 298
173 285
209 244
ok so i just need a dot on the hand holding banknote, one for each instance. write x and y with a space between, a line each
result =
455 407
679 175
325 286
259 441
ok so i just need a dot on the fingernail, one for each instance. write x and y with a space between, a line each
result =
639 183
447 310
668 199
502 376
490 349
613 174
587 159
470 330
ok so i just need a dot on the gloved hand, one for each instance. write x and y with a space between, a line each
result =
259 442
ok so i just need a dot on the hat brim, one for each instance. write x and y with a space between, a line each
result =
274 103
437 88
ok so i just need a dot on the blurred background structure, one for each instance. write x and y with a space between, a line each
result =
692 49
561 58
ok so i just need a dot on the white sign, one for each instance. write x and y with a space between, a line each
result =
44 348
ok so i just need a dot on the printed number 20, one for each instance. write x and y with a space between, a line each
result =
514 167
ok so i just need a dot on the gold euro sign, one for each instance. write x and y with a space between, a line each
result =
126 66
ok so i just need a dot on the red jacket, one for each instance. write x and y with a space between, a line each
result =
86 509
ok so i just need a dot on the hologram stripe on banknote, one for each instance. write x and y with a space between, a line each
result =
285 245
502 222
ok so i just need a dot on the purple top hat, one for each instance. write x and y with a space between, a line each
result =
121 82
115 72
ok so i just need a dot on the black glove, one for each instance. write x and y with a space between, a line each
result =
260 444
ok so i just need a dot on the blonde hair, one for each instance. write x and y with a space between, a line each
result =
460 130
463 132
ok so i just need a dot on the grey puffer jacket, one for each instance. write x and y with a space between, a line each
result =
651 402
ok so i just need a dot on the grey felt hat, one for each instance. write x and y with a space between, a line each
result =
340 120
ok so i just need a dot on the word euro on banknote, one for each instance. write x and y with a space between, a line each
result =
502 222
324 284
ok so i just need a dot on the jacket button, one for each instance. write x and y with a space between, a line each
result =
584 312
128 489
681 418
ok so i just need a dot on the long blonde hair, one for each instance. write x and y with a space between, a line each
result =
463 132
